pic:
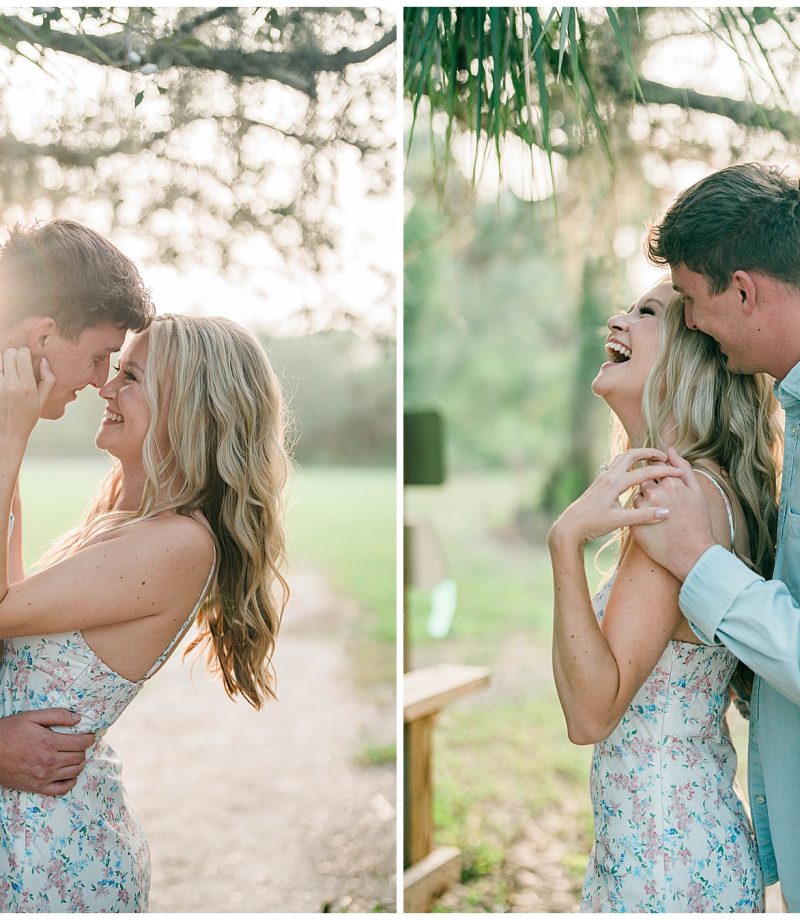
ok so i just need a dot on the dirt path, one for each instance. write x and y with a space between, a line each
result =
266 811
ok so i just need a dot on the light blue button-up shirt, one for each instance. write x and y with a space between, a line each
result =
759 621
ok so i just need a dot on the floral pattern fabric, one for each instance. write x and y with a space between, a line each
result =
83 851
670 832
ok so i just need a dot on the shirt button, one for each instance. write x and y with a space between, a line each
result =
760 799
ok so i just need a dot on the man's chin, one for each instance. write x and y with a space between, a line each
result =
733 365
54 411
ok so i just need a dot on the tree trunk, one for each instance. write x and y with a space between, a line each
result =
577 468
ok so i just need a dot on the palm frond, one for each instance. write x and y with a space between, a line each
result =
622 33
497 71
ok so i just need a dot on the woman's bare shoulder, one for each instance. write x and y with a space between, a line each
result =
180 539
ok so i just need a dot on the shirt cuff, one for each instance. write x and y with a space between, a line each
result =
711 587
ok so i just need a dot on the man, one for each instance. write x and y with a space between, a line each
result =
69 296
732 242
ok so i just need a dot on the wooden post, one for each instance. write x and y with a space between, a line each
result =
430 870
418 790
407 580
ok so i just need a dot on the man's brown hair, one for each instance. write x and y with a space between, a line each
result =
67 271
742 218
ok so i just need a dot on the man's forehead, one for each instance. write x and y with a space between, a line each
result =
679 278
104 338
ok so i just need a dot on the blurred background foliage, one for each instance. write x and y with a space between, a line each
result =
215 134
496 95
543 142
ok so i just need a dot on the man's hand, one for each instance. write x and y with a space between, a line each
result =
35 759
679 540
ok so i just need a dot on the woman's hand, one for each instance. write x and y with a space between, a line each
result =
598 511
21 397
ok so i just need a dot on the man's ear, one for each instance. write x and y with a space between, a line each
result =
39 332
745 286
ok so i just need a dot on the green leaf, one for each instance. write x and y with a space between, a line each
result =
480 15
138 98
562 38
625 48
496 33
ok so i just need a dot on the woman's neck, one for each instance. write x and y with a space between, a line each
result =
133 485
131 492
636 430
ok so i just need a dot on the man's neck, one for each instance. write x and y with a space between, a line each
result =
776 336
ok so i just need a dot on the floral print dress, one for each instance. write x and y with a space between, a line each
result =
670 832
84 851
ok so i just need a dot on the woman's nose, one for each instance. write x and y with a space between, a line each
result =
618 323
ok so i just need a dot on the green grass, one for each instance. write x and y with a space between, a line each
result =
344 520
503 574
55 494
503 583
377 755
500 764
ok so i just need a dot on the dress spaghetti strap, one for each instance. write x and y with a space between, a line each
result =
186 624
725 498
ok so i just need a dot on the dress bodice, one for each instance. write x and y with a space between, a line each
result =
39 672
685 696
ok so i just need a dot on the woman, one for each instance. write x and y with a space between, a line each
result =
187 524
670 833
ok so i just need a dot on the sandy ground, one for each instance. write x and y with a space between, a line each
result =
269 811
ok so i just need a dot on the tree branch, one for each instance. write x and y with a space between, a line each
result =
296 69
744 113
310 140
191 24
13 149
341 59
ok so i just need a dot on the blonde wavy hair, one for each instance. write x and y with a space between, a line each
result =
710 413
713 414
227 459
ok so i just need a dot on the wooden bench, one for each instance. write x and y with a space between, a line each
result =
429 870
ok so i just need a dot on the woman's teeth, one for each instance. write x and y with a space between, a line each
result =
112 416
618 353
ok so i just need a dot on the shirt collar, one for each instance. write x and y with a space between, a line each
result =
788 390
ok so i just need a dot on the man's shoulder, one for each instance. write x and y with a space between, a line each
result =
788 390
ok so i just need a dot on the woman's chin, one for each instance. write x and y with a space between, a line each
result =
101 442
610 394
601 385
